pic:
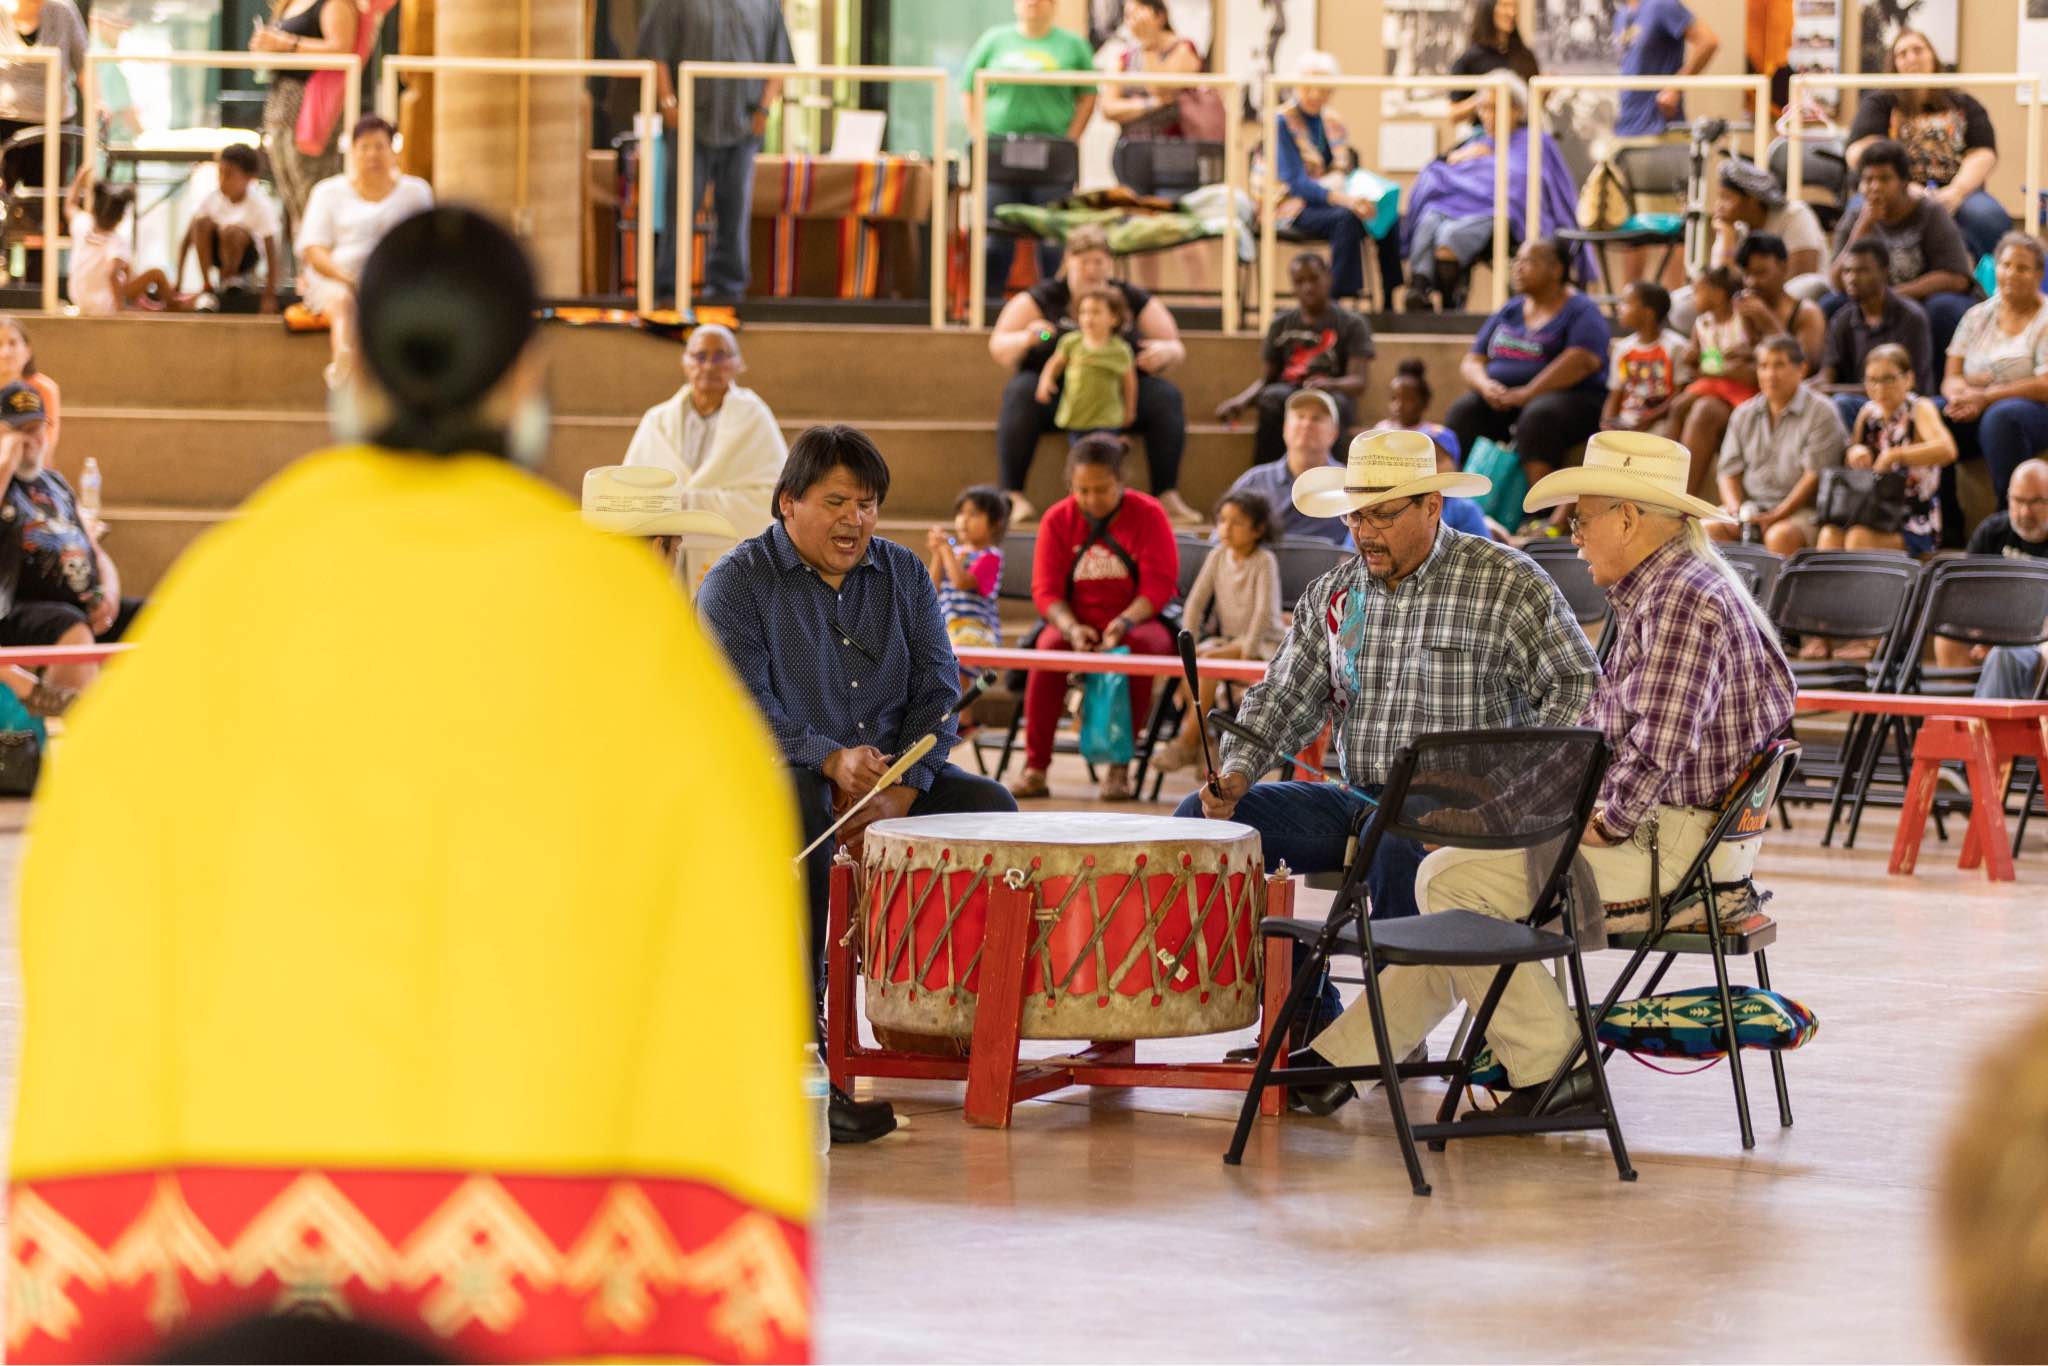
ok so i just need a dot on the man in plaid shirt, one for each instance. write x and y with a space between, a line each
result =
1695 686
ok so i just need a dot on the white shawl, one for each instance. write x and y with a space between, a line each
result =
736 476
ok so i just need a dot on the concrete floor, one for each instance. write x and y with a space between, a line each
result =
1104 1226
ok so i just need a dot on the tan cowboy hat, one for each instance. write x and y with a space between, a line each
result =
641 500
1382 466
1634 467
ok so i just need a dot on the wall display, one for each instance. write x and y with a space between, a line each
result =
1576 37
1422 37
1803 38
1882 20
1266 35
2033 47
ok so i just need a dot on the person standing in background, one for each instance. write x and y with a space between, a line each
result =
314 28
1658 38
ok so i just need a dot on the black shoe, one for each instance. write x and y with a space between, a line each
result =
1417 299
1576 1092
858 1121
1320 1099
1329 1005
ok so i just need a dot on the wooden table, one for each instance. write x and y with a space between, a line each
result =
1985 734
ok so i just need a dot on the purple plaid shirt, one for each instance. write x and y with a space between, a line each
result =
1692 690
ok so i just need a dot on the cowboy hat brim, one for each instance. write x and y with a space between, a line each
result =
697 530
1321 492
1568 486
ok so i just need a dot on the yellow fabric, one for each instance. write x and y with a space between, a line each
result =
424 829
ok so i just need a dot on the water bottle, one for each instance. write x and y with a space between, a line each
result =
89 492
818 1095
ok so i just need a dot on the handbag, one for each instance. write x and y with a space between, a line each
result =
21 747
1503 503
1865 498
1106 716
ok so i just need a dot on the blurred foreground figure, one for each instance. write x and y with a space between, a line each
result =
1993 1211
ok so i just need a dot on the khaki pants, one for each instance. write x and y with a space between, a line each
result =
1532 1027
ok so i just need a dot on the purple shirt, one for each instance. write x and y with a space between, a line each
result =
1692 690
1651 37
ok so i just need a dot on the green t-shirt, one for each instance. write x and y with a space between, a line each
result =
1047 110
1092 385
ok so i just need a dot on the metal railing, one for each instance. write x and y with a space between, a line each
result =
52 63
645 72
1795 167
1757 87
1269 115
1233 163
689 73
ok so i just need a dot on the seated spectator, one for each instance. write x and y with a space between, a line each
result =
1929 263
1313 345
346 217
1308 431
718 438
1722 353
1897 430
66 590
1770 304
1777 445
1052 111
1093 372
237 228
1875 315
1233 609
1996 387
1312 158
2018 533
1749 202
1537 369
18 366
1642 377
103 280
1155 113
1496 45
1448 226
1025 335
1106 564
1408 398
967 566
1951 145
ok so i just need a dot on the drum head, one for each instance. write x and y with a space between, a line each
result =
1060 828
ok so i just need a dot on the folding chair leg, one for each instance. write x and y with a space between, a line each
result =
1886 727
1852 755
1390 1078
1305 978
1763 979
2019 834
1728 1037
1473 1036
1010 740
1585 1016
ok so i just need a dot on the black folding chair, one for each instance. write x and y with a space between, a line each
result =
1574 577
1758 567
1745 813
1019 550
1504 790
1825 181
1648 171
1303 560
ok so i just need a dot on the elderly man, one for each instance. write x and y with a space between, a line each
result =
1777 444
1309 429
1695 686
1427 630
838 637
2018 533
719 440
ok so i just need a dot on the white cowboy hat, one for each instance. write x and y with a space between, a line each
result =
1633 467
1382 466
641 500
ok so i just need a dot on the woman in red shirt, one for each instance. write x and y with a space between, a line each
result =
1106 564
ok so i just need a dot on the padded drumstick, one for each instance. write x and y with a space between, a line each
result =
887 780
1226 722
1187 664
983 681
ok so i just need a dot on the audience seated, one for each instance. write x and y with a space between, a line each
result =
1308 433
1105 566
1929 263
1951 145
1875 315
1537 370
1776 447
18 366
1749 202
1408 398
1314 345
2018 533
236 228
1496 45
1722 356
346 217
1996 388
718 438
967 567
1642 363
1032 44
1156 113
103 280
1024 337
1767 298
1233 609
1897 429
1313 157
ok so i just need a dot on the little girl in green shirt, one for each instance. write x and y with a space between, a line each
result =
1100 371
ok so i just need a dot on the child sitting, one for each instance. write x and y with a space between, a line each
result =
1408 398
103 279
1240 579
1897 430
236 226
1722 353
967 566
1643 365
1100 372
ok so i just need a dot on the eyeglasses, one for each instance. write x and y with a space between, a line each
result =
1379 516
1887 377
1576 522
710 358
2041 502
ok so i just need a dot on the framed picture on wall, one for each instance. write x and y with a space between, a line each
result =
1265 36
1421 37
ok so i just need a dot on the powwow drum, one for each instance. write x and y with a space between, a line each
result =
1143 927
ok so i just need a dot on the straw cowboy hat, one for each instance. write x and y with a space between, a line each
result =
1634 467
641 500
1382 466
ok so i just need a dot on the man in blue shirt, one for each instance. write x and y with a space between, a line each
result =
1658 38
1309 430
838 638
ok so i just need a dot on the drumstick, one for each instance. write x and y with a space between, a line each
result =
1226 722
1187 664
983 681
888 779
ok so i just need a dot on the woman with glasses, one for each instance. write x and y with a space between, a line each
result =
1996 391
719 438
1897 430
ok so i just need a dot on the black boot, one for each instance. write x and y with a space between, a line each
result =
858 1121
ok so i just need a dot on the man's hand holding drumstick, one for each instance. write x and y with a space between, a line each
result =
881 799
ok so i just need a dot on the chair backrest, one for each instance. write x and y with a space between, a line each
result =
1560 560
1032 159
1824 170
1168 165
1745 813
1302 562
21 158
1019 549
1978 600
1658 169
1194 552
1758 567
1842 597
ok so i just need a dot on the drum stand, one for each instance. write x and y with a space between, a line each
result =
997 1079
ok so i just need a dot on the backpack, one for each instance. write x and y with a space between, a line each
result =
1603 199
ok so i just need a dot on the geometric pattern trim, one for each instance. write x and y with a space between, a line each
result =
497 1267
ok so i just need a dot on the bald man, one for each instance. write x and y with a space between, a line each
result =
2019 533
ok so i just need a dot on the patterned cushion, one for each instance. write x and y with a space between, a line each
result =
1687 1024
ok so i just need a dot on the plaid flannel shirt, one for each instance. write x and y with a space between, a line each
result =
1477 638
1693 689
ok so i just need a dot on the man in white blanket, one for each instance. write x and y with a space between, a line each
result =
719 439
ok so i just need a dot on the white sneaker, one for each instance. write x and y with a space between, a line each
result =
206 303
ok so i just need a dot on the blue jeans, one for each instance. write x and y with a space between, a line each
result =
1847 408
1002 247
730 172
1982 220
1466 238
1307 825
2010 431
2010 671
1346 234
